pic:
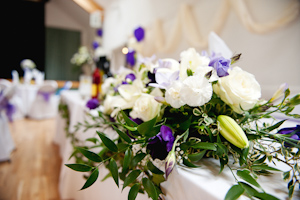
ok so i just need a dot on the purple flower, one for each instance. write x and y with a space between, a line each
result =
162 143
95 44
130 76
295 130
130 58
92 103
221 65
99 32
136 120
139 34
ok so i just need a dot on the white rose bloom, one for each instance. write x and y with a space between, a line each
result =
113 104
196 91
190 59
105 87
145 107
131 91
172 95
238 89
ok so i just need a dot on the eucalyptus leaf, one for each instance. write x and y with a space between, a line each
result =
264 167
234 192
205 145
197 156
245 175
131 177
150 188
123 135
128 121
113 168
134 190
90 155
188 163
127 159
137 158
79 167
153 168
91 180
275 125
145 128
108 142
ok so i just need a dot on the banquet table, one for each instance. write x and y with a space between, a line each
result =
203 182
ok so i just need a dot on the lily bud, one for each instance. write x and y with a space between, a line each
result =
232 132
280 92
170 163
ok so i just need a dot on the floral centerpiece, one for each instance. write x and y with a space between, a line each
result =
175 112
83 59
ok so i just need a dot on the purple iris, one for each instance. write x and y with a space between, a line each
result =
130 58
95 44
295 130
99 32
221 65
130 76
92 103
162 143
139 33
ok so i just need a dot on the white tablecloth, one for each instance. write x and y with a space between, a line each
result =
204 182
27 93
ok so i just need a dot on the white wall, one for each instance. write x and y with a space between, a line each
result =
66 14
272 57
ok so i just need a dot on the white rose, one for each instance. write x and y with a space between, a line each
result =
108 83
196 91
172 95
145 108
113 104
238 89
190 59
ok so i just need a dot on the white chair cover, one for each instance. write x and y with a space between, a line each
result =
10 91
45 105
6 141
15 77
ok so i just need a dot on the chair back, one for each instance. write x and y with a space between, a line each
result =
15 77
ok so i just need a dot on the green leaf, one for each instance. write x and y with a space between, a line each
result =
153 168
128 121
124 136
137 158
264 167
250 190
245 174
234 192
186 124
93 177
90 155
266 196
127 159
113 168
108 142
131 177
188 163
145 128
205 145
209 133
94 140
79 167
150 188
197 156
158 178
286 175
291 191
275 125
134 190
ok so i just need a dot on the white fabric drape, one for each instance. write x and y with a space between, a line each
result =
186 26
